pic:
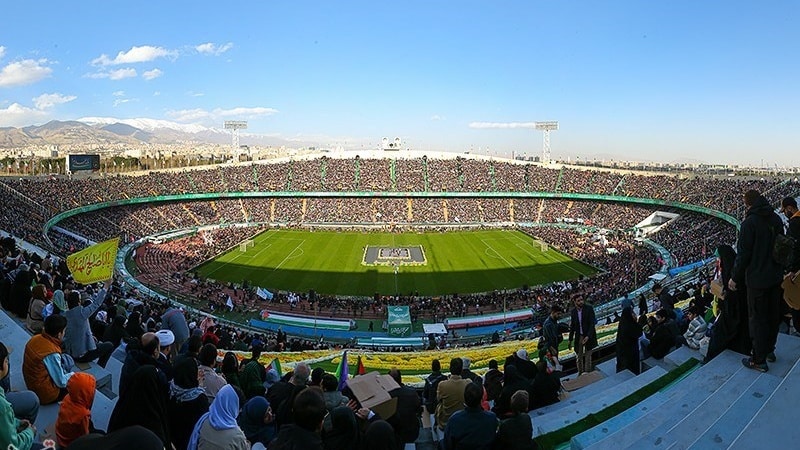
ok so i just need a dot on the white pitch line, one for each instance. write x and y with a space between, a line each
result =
501 256
289 256
514 234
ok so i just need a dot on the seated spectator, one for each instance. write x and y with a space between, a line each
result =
187 403
405 420
230 369
380 436
513 382
545 387
253 375
516 432
42 363
116 332
472 427
143 403
663 336
298 383
75 414
35 319
142 352
130 438
330 391
493 382
450 394
342 431
14 433
218 428
696 330
304 433
210 380
431 385
209 337
166 339
257 421
78 341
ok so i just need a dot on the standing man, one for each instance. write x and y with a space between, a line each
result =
789 209
78 340
762 276
582 330
550 332
174 320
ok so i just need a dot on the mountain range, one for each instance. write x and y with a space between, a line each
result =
110 132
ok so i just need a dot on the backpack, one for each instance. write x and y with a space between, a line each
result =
430 392
783 248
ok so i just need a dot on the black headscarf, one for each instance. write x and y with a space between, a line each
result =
727 257
344 433
144 403
129 438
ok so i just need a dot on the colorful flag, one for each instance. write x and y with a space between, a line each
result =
95 263
343 372
263 293
275 364
361 370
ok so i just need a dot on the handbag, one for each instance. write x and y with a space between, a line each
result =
791 290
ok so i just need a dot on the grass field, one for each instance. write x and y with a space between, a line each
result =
332 263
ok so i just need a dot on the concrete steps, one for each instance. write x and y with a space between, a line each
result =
720 405
574 412
579 395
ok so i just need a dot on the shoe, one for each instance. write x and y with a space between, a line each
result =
770 357
750 364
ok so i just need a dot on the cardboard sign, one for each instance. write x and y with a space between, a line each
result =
372 391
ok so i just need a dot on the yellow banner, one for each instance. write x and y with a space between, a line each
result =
95 263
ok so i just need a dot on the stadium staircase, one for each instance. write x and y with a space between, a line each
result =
323 172
492 177
511 210
445 211
558 180
618 186
191 182
425 174
393 173
357 175
289 176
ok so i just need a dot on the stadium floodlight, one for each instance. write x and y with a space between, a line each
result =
235 126
546 128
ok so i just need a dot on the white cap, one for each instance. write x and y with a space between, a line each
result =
522 354
165 337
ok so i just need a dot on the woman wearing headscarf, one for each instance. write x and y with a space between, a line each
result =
513 382
217 429
56 306
134 325
35 319
75 414
380 436
116 332
129 438
188 402
343 432
143 403
21 291
257 421
230 369
730 330
628 333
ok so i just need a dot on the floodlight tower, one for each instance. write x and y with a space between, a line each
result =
235 126
546 128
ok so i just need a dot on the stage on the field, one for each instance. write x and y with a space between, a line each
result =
355 263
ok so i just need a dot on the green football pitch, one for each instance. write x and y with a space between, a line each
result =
355 263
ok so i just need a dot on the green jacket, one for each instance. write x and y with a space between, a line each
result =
8 427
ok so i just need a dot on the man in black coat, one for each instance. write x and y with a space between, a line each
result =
789 209
405 420
583 333
756 268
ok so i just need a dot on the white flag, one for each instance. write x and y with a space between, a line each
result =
229 303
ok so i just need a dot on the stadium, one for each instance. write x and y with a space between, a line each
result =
327 247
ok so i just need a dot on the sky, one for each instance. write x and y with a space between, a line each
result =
669 81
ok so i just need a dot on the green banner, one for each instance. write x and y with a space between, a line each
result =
399 321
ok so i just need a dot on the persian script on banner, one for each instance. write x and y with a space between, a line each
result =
95 263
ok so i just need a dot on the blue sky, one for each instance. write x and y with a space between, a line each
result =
712 81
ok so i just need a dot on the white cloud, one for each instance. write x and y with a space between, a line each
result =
47 101
140 54
2 52
118 74
27 71
502 125
210 48
195 94
245 112
17 115
121 101
201 115
152 74
118 93
189 115
438 117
